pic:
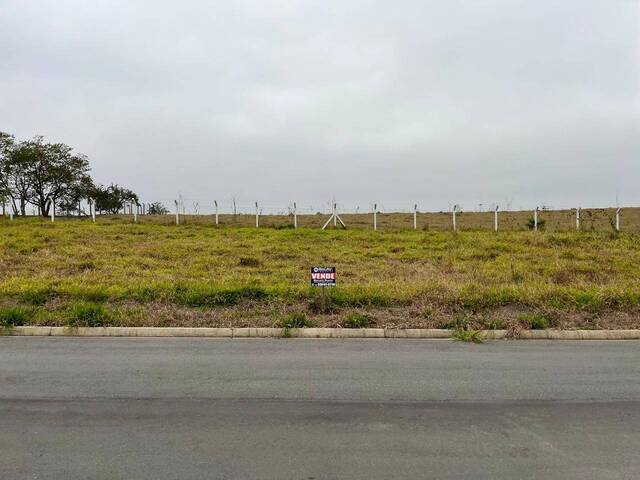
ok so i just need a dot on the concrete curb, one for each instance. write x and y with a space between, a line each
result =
313 333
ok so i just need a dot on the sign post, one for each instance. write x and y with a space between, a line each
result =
322 277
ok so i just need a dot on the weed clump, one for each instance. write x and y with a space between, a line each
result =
469 336
534 321
249 262
296 320
357 320
35 297
87 314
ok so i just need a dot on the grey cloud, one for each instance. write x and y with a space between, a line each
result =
396 102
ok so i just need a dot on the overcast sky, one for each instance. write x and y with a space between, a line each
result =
435 102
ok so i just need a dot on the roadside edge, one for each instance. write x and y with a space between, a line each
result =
35 331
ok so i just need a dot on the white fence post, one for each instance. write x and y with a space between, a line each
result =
135 214
495 219
335 220
618 219
53 211
295 215
11 213
177 212
455 207
257 216
375 216
415 216
93 210
215 202
578 218
535 219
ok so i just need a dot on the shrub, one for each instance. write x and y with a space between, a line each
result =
535 321
157 208
531 223
87 314
357 320
15 316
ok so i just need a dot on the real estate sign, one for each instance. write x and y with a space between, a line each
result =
323 276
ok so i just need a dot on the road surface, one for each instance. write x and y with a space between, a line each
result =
117 408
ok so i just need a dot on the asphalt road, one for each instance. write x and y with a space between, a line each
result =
74 408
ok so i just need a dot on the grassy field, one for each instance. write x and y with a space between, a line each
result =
154 273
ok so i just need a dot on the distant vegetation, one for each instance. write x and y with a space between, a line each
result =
115 272
51 175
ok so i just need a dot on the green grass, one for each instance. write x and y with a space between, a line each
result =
15 316
199 266
86 314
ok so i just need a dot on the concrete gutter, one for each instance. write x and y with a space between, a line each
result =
312 333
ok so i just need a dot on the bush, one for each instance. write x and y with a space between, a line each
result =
535 321
15 316
357 320
87 314
296 320
157 208
531 223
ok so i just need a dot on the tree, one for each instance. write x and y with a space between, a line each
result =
54 171
15 182
72 198
112 198
45 174
158 208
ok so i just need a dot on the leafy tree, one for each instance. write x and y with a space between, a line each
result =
54 171
45 174
157 208
111 199
71 199
14 174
